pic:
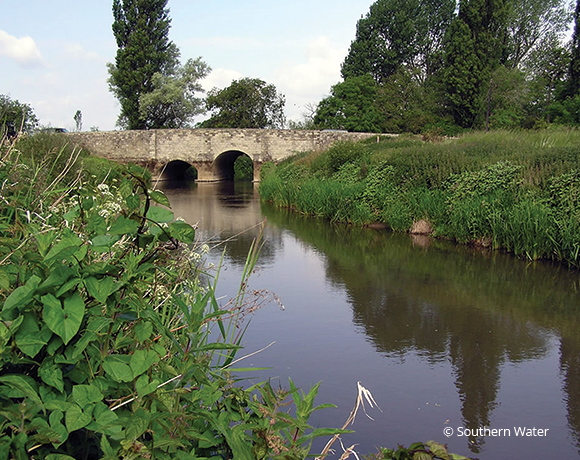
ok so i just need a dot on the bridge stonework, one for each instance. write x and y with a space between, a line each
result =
211 151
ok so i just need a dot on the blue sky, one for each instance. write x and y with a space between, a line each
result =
53 54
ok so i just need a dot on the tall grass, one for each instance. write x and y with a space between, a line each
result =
518 191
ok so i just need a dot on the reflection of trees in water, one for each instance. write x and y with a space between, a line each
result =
449 302
570 369
235 194
237 246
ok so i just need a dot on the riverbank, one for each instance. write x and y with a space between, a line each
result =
518 191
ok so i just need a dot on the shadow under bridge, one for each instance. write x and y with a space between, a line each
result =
229 165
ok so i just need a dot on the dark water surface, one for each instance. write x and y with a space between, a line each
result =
443 336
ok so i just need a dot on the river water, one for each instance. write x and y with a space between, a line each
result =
445 337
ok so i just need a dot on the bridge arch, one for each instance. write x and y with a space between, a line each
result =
179 170
223 164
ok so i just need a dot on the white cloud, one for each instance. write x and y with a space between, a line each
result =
23 50
308 82
220 78
76 51
228 43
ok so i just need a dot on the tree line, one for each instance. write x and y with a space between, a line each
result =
413 66
416 65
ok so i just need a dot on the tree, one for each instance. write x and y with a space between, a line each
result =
547 67
173 103
399 33
351 106
15 117
575 55
246 103
534 24
141 29
474 46
78 118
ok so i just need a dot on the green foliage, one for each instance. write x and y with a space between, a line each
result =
395 34
244 168
246 103
15 117
110 345
173 103
351 106
462 74
141 29
338 155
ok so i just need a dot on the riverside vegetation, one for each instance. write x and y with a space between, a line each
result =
516 191
111 346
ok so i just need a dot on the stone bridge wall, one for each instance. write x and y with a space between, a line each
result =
200 147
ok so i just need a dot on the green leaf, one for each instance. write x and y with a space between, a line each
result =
133 202
51 374
21 296
143 331
56 278
100 289
144 387
142 360
86 394
438 449
159 197
69 285
182 231
159 214
76 419
58 457
64 248
117 370
109 452
137 424
20 384
63 321
123 226
103 243
29 338
422 456
4 280
105 420
55 419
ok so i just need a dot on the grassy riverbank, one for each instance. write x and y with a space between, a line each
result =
516 191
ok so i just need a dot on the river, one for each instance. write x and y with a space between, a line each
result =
445 337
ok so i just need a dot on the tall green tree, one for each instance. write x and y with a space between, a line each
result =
399 33
246 103
476 44
141 29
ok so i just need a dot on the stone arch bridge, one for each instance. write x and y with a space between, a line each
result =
167 153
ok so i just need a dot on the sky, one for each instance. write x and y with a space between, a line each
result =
54 54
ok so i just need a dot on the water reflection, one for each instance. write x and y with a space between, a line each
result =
485 315
225 212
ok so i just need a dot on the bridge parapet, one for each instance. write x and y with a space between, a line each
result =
201 147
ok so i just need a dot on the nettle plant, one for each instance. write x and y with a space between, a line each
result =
110 347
